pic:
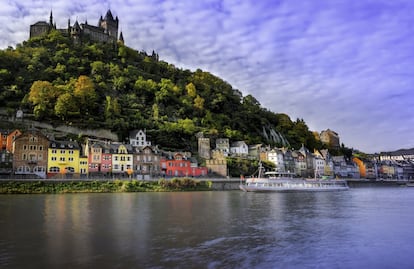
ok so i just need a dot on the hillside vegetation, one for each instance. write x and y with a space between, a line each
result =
120 89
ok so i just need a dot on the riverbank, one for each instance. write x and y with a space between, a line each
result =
99 186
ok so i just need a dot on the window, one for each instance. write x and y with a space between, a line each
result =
116 167
62 159
70 159
54 169
70 169
39 169
53 158
40 147
54 151
71 152
62 152
24 147
24 157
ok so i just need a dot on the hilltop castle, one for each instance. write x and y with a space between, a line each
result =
106 31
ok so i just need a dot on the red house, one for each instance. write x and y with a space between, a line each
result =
180 166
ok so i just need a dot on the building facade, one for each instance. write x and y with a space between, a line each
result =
30 154
146 163
63 159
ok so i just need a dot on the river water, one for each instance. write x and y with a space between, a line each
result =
360 228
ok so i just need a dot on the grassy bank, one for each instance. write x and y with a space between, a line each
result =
98 186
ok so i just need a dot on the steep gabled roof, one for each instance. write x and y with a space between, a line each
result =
108 15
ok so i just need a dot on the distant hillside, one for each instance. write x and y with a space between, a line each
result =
117 88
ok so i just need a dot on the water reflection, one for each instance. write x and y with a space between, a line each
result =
360 228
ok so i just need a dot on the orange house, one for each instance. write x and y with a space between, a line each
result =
10 138
7 138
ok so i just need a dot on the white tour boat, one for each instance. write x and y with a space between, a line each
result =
285 182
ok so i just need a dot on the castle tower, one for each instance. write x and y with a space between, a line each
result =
110 25
75 32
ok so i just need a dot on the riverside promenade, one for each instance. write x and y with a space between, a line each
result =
217 183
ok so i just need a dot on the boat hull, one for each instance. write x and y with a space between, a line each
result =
294 186
273 189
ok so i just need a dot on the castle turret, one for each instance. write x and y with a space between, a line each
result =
110 25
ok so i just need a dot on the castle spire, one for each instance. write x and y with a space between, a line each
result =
51 18
121 38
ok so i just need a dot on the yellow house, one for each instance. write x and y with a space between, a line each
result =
122 158
83 166
63 159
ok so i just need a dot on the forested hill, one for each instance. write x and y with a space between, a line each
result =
121 89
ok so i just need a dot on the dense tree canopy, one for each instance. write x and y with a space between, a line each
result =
116 87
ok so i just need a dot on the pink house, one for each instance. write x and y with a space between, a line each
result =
99 157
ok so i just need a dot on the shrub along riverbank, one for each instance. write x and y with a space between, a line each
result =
98 186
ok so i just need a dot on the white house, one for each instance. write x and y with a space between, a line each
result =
319 165
276 156
138 138
239 148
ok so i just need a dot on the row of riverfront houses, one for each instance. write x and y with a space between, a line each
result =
33 154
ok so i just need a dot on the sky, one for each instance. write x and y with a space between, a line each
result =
338 64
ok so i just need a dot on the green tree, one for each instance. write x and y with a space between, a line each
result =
66 106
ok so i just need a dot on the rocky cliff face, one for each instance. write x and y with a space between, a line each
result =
271 134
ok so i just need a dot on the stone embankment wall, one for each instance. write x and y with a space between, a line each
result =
63 129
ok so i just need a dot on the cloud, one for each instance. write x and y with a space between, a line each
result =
343 65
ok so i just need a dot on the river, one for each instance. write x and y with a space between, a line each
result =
359 228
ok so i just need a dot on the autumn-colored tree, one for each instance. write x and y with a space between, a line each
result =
191 89
85 93
43 96
199 103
